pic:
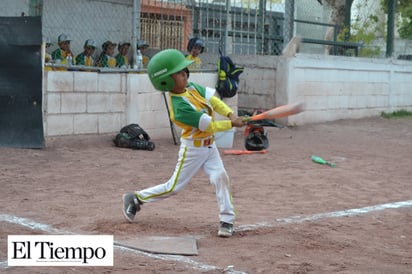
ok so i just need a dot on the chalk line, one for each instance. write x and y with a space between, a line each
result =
25 222
197 265
320 216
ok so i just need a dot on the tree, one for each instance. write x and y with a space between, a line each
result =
404 11
338 16
365 31
338 10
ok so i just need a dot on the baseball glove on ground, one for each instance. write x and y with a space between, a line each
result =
135 137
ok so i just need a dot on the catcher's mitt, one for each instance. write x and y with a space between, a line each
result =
256 138
133 136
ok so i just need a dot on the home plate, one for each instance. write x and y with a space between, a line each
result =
163 245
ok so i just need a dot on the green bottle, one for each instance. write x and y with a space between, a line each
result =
319 160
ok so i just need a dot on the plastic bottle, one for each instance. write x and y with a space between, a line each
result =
69 59
139 60
319 160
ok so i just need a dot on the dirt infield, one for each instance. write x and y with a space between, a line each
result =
294 216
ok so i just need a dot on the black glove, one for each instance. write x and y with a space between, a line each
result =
133 136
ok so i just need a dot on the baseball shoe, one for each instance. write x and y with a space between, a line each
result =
131 205
225 230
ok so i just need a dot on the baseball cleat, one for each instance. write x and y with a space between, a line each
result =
225 230
131 205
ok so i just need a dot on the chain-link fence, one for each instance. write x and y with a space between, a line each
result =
350 27
237 27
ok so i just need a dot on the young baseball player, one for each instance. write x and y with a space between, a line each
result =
106 58
122 61
86 57
195 47
192 109
63 54
142 45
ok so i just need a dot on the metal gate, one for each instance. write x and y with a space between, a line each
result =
21 122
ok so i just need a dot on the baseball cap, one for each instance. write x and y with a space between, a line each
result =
108 44
123 43
63 38
90 43
142 43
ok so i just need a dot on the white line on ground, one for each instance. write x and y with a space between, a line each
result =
29 224
197 265
49 229
320 216
3 264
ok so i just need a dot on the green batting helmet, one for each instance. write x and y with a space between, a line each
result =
162 65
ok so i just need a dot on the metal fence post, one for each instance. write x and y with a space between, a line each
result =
261 27
289 21
348 7
227 45
135 29
390 28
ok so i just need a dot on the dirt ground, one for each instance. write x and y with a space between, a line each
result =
354 218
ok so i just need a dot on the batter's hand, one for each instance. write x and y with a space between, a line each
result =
237 121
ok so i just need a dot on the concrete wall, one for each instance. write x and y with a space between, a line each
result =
332 88
91 102
257 82
343 88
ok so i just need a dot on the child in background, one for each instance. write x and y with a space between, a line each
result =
195 47
122 61
86 57
142 45
63 55
106 59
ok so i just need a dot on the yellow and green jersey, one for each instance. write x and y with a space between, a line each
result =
107 61
84 60
193 111
59 56
196 65
122 61
145 61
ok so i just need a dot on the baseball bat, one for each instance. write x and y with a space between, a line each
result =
240 152
172 127
277 112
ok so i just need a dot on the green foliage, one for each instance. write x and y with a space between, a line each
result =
405 28
404 11
364 32
397 114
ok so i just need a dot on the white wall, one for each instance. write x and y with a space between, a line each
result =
83 102
91 102
344 88
332 88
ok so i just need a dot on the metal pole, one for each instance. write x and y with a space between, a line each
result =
225 49
136 29
288 21
390 28
348 7
262 13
